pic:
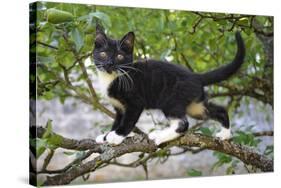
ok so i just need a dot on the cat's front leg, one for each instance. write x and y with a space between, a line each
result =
101 139
125 127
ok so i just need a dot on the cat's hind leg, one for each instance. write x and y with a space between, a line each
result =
177 127
204 110
220 114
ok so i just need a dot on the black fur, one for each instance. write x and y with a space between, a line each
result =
183 126
152 84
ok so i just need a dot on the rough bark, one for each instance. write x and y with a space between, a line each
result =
140 143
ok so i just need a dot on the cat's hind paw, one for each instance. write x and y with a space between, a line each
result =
224 134
162 136
153 135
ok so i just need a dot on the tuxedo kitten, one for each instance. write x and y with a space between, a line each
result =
132 87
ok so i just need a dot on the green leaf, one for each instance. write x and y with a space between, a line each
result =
248 31
62 98
41 146
243 22
222 22
48 95
77 37
206 131
103 17
162 153
65 58
48 129
54 141
43 59
268 150
32 142
244 138
222 159
89 40
194 173
49 139
56 16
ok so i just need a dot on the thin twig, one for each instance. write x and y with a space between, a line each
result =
48 159
47 45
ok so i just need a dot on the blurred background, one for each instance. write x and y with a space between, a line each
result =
62 42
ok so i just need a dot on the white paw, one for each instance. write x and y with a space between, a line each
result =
224 134
165 135
131 134
153 134
159 140
100 139
114 139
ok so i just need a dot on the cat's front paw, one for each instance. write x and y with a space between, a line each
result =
131 134
224 134
101 139
114 139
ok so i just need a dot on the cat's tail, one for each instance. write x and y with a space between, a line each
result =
224 72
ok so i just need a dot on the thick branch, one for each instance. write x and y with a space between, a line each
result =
140 143
73 144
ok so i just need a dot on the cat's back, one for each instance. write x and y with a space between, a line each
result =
155 66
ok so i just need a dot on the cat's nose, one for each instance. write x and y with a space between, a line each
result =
110 64
110 67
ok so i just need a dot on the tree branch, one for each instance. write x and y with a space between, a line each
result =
140 143
264 133
48 159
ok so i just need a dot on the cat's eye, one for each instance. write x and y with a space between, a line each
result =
103 55
120 57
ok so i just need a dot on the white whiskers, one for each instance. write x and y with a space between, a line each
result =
125 79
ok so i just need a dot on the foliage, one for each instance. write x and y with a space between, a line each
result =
176 36
48 140
244 138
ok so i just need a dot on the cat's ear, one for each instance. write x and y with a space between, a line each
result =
99 29
101 38
127 42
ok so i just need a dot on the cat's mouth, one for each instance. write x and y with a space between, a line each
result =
108 69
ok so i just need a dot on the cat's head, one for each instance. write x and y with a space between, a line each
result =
110 55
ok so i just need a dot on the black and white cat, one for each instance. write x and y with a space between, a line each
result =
132 87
